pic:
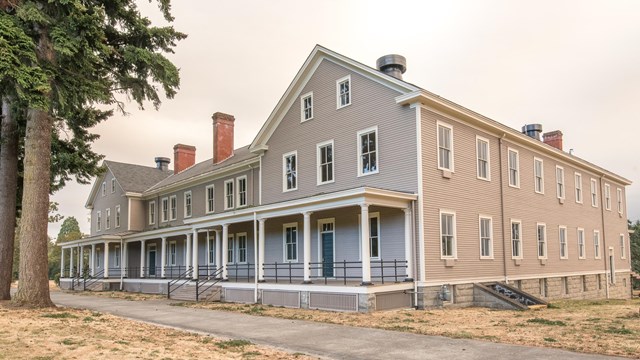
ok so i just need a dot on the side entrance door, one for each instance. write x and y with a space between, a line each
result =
152 260
327 237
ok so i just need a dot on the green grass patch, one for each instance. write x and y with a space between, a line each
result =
250 354
619 331
233 344
254 310
122 342
550 339
62 315
542 321
88 319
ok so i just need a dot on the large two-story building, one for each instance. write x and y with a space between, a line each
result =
360 192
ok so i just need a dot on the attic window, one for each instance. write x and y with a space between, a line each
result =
306 106
343 89
113 185
104 189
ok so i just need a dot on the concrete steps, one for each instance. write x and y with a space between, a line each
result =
502 296
188 293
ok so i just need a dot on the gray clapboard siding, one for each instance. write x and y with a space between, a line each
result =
109 201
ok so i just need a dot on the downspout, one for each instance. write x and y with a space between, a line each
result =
121 263
415 256
605 249
504 238
260 182
255 256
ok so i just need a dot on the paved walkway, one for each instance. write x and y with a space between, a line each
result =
323 340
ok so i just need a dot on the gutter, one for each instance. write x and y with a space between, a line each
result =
504 236
605 250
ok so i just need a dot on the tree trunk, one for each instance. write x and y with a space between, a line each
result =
8 190
33 285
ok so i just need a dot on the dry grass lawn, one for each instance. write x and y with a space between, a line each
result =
610 327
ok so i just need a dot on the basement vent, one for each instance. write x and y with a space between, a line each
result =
239 295
281 298
340 302
393 300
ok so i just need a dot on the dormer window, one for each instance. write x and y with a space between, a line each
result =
306 106
343 88
104 189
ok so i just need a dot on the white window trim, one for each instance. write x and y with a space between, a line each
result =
174 261
564 184
517 179
450 127
546 242
535 159
113 185
607 197
597 250
162 217
480 218
107 219
584 245
455 235
284 242
226 194
185 204
99 221
302 98
622 242
206 199
117 219
246 249
594 190
578 185
152 216
104 188
246 192
371 216
620 203
175 198
320 223
488 178
359 147
319 162
231 245
566 241
521 241
284 171
338 82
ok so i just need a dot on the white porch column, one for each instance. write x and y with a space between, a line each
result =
142 260
408 244
195 255
261 249
218 250
187 246
81 255
225 249
364 244
71 267
106 260
92 261
307 246
61 262
163 259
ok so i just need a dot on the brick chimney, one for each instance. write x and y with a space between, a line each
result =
222 137
553 138
184 156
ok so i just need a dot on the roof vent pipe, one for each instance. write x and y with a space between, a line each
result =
162 163
532 130
392 65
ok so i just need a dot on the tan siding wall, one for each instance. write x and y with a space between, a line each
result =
372 104
469 197
137 215
109 201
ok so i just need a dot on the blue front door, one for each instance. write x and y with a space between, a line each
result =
327 254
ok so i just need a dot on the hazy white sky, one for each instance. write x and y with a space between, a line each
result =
569 65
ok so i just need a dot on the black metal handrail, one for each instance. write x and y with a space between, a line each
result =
183 276
90 280
212 279
238 267
287 267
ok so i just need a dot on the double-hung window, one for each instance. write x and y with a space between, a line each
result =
596 243
447 234
188 200
581 248
231 249
173 253
594 193
619 193
325 162
514 168
117 216
368 151
98 221
486 238
343 89
516 239
623 248
116 257
290 239
241 185
242 247
482 154
212 248
165 209
560 182
374 235
538 175
607 196
542 240
173 202
562 235
108 219
228 194
578 181
113 185
306 106
152 213
210 198
445 147
290 171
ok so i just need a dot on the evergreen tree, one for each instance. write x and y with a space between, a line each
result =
70 230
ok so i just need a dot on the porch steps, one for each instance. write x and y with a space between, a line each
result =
188 293
503 296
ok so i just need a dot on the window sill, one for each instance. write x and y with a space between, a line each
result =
325 183
483 179
368 173
343 106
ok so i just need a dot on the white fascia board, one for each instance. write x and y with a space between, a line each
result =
92 240
159 233
438 103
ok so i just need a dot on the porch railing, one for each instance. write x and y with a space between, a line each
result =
387 270
240 271
208 277
90 280
184 276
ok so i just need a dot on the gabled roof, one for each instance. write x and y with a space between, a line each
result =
318 54
202 169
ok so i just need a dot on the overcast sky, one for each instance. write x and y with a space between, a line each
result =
569 65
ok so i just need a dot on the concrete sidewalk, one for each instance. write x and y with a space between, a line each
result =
317 339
